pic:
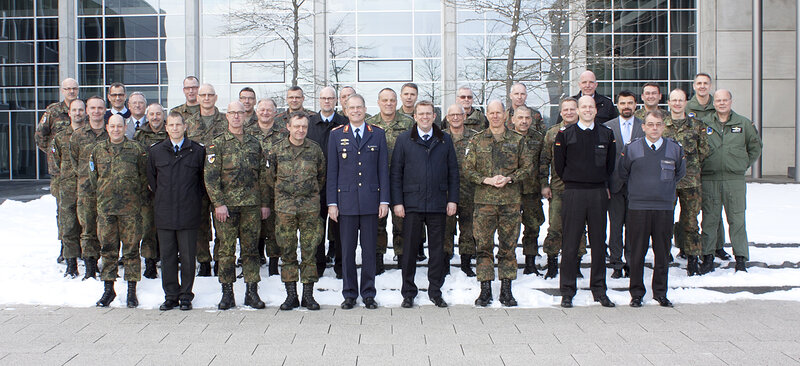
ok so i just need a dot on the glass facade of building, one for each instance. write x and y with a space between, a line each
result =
369 44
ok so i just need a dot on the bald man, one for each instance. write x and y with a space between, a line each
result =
604 105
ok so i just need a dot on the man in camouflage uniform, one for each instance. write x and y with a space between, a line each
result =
498 161
393 123
67 189
519 97
344 93
235 177
554 189
532 214
148 135
54 120
294 100
202 127
296 176
475 119
118 174
269 133
690 133
651 96
80 148
466 241
702 105
191 88
247 96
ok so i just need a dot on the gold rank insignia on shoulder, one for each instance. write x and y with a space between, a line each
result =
211 158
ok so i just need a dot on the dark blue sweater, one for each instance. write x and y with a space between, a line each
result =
652 176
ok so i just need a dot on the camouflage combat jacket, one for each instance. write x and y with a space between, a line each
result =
393 128
296 174
546 159
81 144
197 130
466 188
533 139
118 175
146 137
186 111
690 133
235 171
61 156
487 157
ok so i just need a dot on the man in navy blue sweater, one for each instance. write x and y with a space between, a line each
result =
652 167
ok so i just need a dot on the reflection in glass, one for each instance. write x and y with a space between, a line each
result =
90 28
115 7
90 74
385 23
48 96
384 46
427 22
5 158
132 74
48 51
258 72
640 69
47 75
23 148
17 52
17 29
394 70
47 28
132 50
131 27
384 4
90 7
16 76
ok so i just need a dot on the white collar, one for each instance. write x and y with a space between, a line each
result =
629 120
657 143
423 133
582 127
123 111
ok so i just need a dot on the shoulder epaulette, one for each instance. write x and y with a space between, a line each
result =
337 127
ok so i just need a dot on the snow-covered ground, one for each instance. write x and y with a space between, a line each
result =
29 273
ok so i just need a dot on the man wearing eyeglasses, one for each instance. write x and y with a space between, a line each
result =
190 89
247 96
475 119
294 101
651 96
203 126
116 98
235 173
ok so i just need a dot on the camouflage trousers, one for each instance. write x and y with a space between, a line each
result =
268 234
504 219
552 243
112 230
397 234
244 223
204 232
54 190
532 219
68 224
87 217
309 224
466 240
149 247
687 230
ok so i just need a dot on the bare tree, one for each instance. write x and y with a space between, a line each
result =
429 68
269 21
338 50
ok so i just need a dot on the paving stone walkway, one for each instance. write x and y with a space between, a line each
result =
734 333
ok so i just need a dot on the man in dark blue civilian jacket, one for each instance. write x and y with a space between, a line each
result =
358 194
424 181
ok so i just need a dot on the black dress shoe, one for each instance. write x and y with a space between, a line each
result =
408 302
348 303
186 305
664 301
439 301
566 302
605 301
636 302
617 273
168 305
722 254
369 303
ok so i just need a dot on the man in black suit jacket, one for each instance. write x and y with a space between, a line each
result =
424 183
605 106
626 128
320 125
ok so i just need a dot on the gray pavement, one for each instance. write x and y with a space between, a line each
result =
734 333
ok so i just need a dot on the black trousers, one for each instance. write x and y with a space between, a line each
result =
642 226
352 230
413 226
617 212
581 207
172 242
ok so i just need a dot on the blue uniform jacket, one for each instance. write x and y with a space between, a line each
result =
358 176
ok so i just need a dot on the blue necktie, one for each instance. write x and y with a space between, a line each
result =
358 136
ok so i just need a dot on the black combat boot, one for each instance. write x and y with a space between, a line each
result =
273 266
227 300
291 301
72 268
308 297
530 265
506 297
251 298
108 294
466 267
741 264
578 273
485 298
132 300
722 254
708 264
552 267
692 267
379 267
60 258
204 270
91 268
150 270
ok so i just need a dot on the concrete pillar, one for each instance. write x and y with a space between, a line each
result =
67 40
449 54
707 38
192 39
320 48
756 97
577 53
797 97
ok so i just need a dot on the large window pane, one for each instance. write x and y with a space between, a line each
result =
90 7
641 45
427 22
48 52
132 74
258 72
640 69
394 70
47 28
640 4
16 76
599 45
47 7
132 50
683 68
385 23
16 8
131 27
682 4
17 29
640 21
384 5
23 148
47 75
17 52
683 22
18 98
384 47
90 74
48 96
90 51
115 7
5 158
683 45
90 28
598 21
